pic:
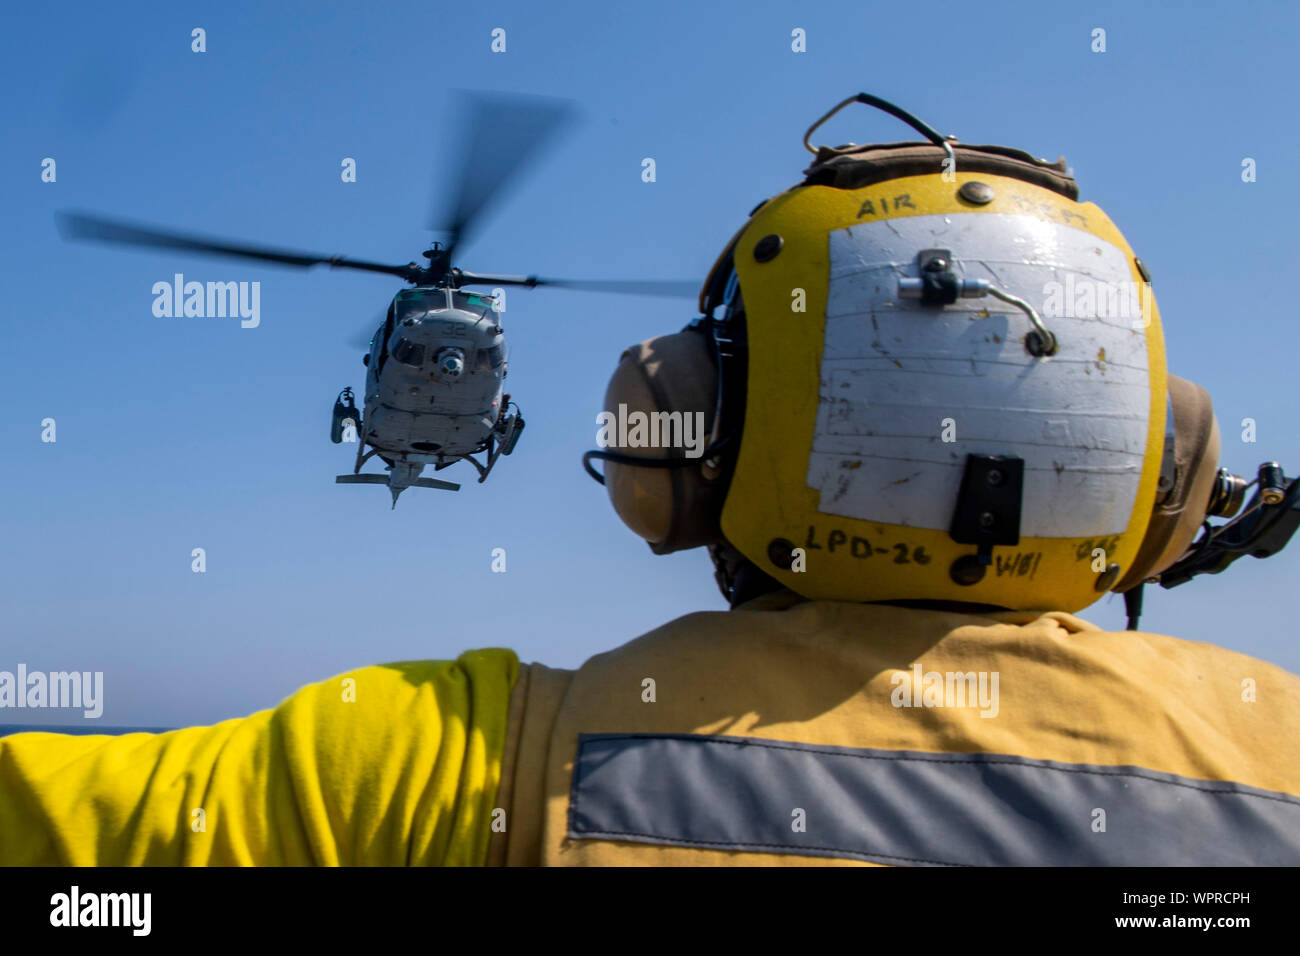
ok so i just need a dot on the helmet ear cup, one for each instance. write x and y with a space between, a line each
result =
670 379
1176 520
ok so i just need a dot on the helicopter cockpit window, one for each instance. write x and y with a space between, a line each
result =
491 358
408 352
474 301
410 301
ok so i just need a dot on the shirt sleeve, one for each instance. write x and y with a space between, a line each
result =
389 765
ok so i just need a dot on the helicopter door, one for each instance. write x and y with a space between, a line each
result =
382 351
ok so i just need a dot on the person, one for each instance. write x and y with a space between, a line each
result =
939 423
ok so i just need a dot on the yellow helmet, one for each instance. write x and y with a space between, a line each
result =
935 376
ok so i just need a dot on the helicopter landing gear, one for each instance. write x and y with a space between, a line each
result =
500 441
483 470
363 456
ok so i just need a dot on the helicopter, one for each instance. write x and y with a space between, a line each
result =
436 365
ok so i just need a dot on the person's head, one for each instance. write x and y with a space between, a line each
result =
926 373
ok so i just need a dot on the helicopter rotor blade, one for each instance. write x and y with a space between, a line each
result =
76 225
667 288
505 131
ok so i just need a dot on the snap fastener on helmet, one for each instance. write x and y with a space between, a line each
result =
980 194
967 570
768 247
781 553
1107 578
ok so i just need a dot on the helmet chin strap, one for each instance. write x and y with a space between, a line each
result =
620 458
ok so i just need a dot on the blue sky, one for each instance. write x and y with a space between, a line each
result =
176 434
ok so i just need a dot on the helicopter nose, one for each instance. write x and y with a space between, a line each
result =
451 362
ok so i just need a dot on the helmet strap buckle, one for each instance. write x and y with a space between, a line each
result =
987 513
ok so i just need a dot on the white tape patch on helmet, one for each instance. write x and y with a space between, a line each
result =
893 371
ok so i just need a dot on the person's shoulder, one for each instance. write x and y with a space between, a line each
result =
1049 636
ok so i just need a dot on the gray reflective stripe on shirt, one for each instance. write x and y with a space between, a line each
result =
912 808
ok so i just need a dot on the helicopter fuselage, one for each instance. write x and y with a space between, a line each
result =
434 377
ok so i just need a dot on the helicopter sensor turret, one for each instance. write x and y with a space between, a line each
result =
451 362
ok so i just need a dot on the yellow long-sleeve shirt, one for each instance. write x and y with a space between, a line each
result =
334 776
783 731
